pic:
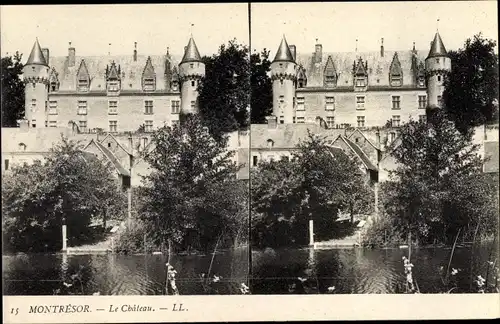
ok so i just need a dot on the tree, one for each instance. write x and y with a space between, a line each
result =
261 101
471 88
438 186
189 196
224 91
12 90
67 188
314 184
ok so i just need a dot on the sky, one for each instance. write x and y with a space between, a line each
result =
337 25
91 28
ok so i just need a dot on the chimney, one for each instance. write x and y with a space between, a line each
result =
294 51
318 53
272 122
71 55
382 48
45 52
135 51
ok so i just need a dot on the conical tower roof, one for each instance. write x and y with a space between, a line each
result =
36 55
284 54
437 47
191 54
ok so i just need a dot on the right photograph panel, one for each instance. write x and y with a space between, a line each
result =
374 148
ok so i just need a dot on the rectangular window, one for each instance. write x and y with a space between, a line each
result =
112 107
393 136
439 101
330 103
33 123
145 141
301 103
83 85
282 119
360 102
52 107
113 86
330 121
82 107
396 121
6 163
361 121
422 118
149 84
53 123
176 106
113 126
282 100
82 125
360 82
255 160
396 102
148 107
422 102
33 104
301 120
148 125
193 104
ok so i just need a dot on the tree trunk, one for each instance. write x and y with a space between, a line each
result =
104 219
351 208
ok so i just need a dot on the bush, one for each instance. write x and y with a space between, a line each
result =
135 240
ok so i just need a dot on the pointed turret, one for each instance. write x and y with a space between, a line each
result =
36 55
284 54
191 54
437 47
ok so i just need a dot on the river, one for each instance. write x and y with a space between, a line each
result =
362 271
114 274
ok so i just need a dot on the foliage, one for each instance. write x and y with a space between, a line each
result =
438 186
190 198
261 101
12 90
471 88
314 184
224 91
68 187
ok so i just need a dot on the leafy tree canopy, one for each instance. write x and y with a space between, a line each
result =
190 192
12 90
69 187
471 88
261 102
224 92
437 187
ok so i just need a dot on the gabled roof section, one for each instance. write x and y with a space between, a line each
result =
360 68
110 156
54 76
83 72
395 69
437 47
284 54
358 152
357 130
36 56
149 70
301 73
109 135
191 54
113 72
330 68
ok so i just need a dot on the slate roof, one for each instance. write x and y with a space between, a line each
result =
437 47
283 54
111 157
36 55
131 71
378 66
287 136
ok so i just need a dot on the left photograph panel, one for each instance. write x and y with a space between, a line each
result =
125 148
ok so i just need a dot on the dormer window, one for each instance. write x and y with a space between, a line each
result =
360 82
113 86
360 75
396 73
113 83
330 73
175 86
149 84
83 85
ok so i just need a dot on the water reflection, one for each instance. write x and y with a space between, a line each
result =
361 271
44 274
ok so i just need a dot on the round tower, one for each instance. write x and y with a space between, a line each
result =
191 70
437 64
36 91
284 77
